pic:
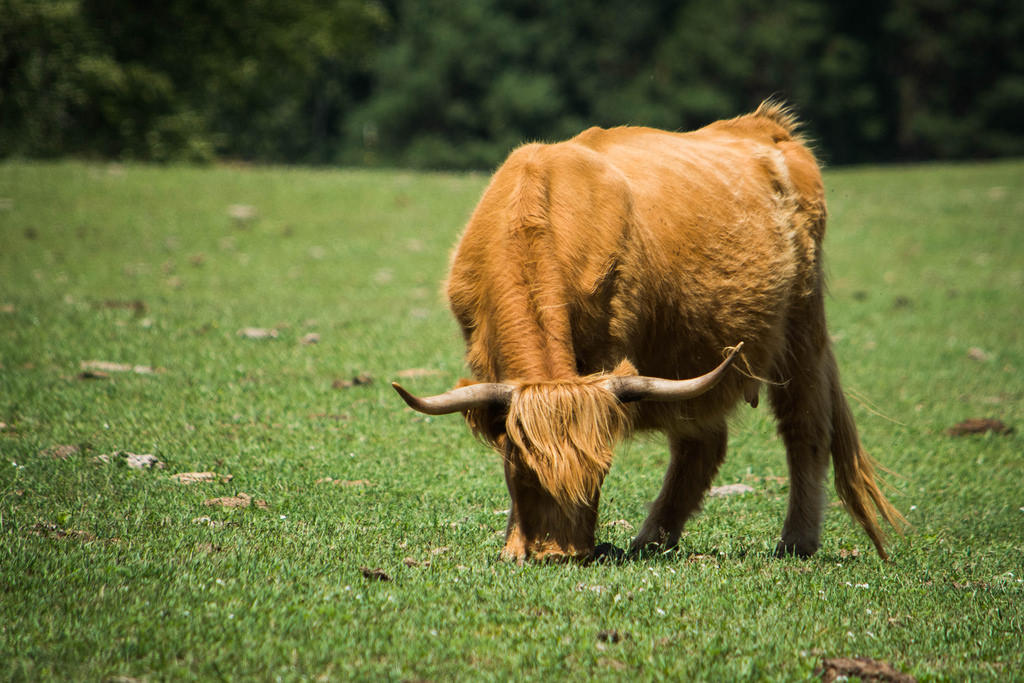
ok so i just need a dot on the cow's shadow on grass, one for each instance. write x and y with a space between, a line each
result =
611 554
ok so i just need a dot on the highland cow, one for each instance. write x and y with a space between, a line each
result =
605 285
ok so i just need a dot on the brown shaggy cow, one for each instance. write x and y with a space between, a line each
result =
597 272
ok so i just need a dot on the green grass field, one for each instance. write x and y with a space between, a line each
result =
108 572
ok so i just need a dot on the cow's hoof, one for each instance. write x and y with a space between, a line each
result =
606 553
801 550
653 544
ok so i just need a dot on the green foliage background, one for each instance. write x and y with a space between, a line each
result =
443 84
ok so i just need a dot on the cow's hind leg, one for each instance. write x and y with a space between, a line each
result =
693 464
803 407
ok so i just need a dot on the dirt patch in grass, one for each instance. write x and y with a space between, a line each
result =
842 668
363 379
101 369
257 333
613 636
376 574
729 490
417 373
345 483
979 425
136 461
413 562
51 530
61 452
200 477
239 500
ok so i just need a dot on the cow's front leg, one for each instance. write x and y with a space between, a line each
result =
515 542
516 545
693 465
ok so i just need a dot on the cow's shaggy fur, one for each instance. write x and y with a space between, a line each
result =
564 432
637 251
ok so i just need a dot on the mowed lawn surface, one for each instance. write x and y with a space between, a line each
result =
247 322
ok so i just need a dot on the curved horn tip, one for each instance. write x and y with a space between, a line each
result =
406 396
418 404
458 400
639 388
733 352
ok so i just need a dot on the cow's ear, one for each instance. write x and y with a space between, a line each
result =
624 369
487 424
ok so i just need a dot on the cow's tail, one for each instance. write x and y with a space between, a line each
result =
855 471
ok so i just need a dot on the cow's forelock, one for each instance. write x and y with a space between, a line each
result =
564 434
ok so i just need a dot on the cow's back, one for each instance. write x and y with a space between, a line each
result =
728 221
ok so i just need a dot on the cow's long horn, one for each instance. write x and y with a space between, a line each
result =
458 400
636 388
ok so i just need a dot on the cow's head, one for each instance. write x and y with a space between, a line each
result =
556 439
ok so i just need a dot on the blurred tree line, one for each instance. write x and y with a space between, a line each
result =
456 84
